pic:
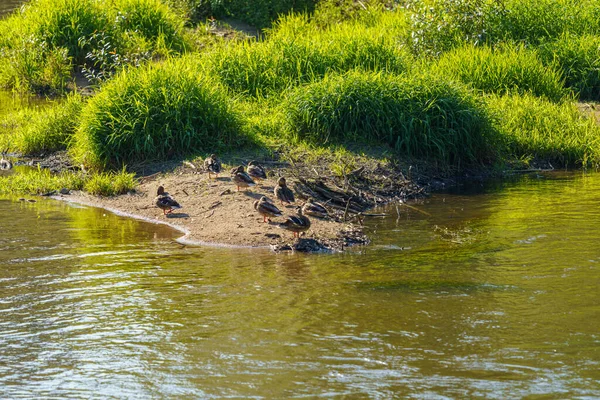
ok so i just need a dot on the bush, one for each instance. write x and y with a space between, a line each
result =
153 113
505 70
41 131
298 53
533 128
578 59
44 42
419 116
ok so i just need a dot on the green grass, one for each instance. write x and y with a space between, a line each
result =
298 52
44 43
507 69
578 59
535 129
418 116
155 112
42 181
41 131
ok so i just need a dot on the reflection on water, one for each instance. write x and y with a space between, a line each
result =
489 295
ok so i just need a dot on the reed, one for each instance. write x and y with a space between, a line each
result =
419 116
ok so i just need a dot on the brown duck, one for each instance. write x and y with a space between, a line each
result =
256 171
314 209
296 224
165 202
241 178
266 208
282 192
212 165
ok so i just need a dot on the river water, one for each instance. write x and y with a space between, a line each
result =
488 292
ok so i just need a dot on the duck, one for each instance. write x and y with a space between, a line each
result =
4 163
314 209
266 208
256 171
282 192
241 178
165 202
212 165
296 224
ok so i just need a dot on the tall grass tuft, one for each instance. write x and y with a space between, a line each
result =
41 131
44 42
578 59
155 112
504 70
533 128
297 52
419 116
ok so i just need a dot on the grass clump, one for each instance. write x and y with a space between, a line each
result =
578 59
42 181
502 70
535 129
45 41
297 52
419 116
155 112
41 131
110 183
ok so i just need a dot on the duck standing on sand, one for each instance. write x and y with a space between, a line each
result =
165 202
212 165
256 171
296 224
314 209
241 178
267 209
282 192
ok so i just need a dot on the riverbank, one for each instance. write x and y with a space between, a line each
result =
215 213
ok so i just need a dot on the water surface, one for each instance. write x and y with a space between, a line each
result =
492 293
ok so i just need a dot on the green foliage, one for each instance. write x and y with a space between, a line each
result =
296 52
506 69
533 128
42 44
537 21
155 112
110 183
41 181
419 116
578 59
40 131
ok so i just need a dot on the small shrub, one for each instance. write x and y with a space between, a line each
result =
533 128
504 70
578 59
419 116
155 112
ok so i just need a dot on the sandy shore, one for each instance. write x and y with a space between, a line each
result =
214 213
